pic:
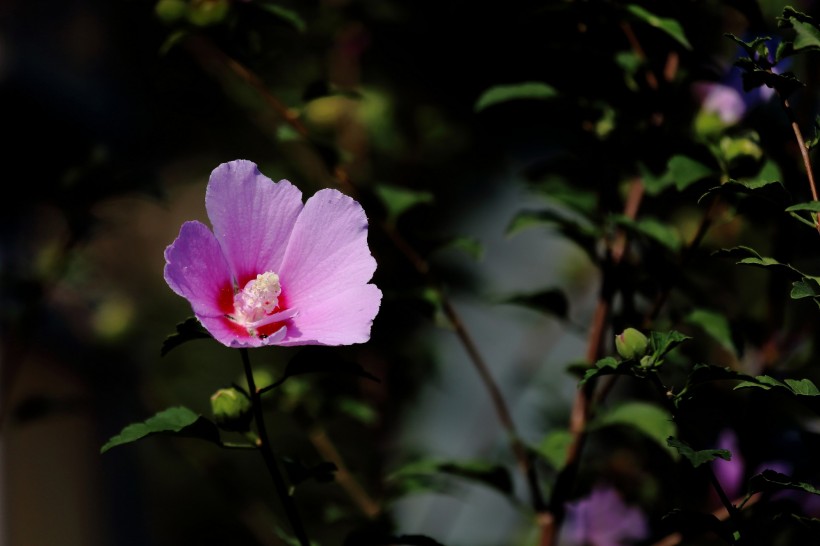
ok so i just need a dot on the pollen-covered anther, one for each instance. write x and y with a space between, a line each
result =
258 299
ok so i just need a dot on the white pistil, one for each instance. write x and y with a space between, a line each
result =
257 301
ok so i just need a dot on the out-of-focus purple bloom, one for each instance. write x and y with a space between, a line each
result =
603 519
730 474
275 271
726 97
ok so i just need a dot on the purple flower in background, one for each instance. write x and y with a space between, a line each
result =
726 98
275 271
603 519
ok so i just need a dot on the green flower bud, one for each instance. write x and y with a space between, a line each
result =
232 409
170 11
631 343
203 13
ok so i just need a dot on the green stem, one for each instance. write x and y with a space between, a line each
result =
268 455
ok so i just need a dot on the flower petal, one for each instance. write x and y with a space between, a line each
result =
196 270
232 334
340 319
252 217
327 253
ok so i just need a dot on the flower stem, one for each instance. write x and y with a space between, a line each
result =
268 456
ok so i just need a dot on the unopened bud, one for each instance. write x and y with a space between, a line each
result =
231 409
631 343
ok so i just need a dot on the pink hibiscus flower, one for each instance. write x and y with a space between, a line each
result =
275 271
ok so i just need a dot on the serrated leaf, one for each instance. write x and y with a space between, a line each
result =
785 84
320 360
609 366
770 481
812 206
700 457
807 35
666 24
651 420
703 373
749 256
288 15
714 324
518 91
552 301
398 200
799 387
188 330
176 421
661 343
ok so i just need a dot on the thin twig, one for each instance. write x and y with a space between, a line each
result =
804 153
324 445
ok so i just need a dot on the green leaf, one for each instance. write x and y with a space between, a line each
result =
517 91
469 245
554 447
697 458
188 330
714 324
492 475
176 421
666 24
681 172
807 287
704 373
662 343
552 301
361 411
812 206
609 366
557 189
584 234
798 387
655 230
802 387
807 35
685 171
288 15
650 419
750 256
785 84
398 200
770 481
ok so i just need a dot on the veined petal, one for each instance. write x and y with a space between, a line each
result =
196 269
327 253
343 318
232 334
252 217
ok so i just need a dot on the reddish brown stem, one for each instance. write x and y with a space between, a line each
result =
804 153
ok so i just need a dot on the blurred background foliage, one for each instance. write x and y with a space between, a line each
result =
115 112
